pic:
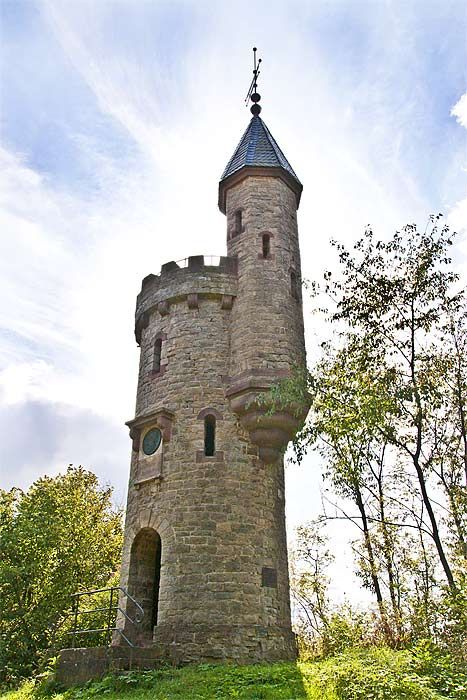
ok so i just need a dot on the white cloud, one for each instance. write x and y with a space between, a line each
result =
460 110
72 259
457 219
23 380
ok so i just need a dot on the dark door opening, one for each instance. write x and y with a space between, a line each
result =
145 575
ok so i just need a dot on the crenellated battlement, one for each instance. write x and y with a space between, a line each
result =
189 279
194 263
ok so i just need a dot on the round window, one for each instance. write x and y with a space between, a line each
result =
151 441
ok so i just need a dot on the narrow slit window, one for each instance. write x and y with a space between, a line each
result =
266 245
157 355
294 284
238 222
209 436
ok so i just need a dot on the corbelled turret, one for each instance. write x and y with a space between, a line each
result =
260 192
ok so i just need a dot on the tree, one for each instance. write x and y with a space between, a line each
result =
63 534
398 296
309 581
389 412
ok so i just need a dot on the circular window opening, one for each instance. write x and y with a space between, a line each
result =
151 441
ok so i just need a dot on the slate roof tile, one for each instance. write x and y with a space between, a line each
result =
257 148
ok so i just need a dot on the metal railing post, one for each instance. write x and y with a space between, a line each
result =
113 607
109 617
75 621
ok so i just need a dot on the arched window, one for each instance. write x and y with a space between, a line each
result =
157 355
266 245
209 435
238 222
294 284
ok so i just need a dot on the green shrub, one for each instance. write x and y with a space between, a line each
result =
447 674
379 674
424 673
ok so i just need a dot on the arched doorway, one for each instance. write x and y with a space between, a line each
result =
144 576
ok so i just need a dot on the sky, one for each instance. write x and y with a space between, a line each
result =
117 118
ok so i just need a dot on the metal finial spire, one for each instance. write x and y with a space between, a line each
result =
252 94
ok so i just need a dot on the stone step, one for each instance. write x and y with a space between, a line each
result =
77 666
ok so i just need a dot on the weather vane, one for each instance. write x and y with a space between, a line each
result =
252 94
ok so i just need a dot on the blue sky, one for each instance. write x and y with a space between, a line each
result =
117 118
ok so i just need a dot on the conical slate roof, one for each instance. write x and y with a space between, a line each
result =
257 148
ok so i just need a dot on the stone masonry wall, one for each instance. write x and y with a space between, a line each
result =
267 321
221 518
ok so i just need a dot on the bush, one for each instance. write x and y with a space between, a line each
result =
447 674
346 628
383 674
61 535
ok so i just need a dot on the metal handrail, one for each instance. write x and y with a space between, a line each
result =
213 260
111 609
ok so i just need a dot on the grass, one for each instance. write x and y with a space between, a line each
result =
376 674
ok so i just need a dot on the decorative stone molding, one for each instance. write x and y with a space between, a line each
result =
218 456
162 419
210 412
252 171
178 294
270 427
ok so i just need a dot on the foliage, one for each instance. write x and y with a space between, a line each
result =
389 417
397 300
219 682
376 674
61 535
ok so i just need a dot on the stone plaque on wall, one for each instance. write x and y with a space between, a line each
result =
269 577
149 467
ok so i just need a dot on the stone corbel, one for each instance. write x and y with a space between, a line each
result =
141 323
227 302
193 301
270 427
135 435
163 308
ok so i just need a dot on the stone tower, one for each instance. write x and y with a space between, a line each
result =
205 543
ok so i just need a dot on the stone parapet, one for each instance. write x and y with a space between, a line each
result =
193 281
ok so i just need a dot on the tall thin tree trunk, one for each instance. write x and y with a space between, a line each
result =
372 562
461 401
418 467
387 548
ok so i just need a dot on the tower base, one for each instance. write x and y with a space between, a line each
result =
179 646
229 643
77 666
